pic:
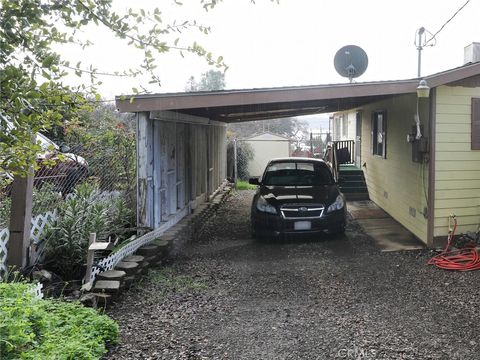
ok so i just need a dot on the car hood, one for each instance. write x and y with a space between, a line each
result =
279 195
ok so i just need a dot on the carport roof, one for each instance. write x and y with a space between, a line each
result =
267 103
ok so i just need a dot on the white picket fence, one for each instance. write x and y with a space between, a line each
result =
4 235
38 226
114 258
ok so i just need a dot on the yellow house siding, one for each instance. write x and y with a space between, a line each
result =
457 167
396 184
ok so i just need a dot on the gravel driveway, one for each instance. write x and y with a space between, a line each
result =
227 297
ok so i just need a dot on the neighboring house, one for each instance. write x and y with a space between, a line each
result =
266 146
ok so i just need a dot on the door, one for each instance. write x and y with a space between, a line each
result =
358 138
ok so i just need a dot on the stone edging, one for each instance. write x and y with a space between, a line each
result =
110 284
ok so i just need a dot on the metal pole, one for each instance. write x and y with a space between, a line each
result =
311 144
235 177
420 48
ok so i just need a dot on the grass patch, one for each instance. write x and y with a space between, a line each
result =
170 282
244 185
32 328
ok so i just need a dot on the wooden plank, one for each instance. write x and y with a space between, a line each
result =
452 204
448 147
459 211
458 138
453 119
455 184
20 222
158 168
453 109
458 166
457 194
454 128
459 156
180 141
458 175
145 170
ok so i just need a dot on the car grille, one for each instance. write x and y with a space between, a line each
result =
302 211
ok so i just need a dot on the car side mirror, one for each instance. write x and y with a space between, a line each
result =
64 148
254 181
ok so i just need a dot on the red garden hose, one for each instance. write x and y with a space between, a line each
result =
462 259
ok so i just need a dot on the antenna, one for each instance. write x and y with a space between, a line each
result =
350 61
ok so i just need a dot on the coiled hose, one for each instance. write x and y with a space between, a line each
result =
462 259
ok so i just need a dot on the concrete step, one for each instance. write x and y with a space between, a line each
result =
148 250
129 267
118 275
107 286
134 258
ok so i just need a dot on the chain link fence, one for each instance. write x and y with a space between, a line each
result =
87 185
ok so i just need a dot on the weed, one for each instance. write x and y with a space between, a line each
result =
167 281
244 185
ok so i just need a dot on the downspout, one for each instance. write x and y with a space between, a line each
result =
431 167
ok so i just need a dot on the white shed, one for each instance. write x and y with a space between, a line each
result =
266 146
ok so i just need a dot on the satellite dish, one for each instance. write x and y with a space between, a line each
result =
351 61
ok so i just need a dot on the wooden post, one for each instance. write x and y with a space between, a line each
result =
20 221
90 257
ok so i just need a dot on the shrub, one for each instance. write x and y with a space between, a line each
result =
50 329
66 240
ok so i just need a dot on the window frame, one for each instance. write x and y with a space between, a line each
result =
475 119
377 149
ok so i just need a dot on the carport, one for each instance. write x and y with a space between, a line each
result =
181 137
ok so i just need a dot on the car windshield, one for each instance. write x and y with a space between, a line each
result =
291 173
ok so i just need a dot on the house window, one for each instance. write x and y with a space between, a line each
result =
379 140
475 123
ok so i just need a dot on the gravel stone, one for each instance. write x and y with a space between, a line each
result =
322 298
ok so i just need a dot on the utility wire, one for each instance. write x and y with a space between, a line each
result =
445 24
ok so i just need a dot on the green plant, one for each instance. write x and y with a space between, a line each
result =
50 329
45 198
244 185
66 240
11 275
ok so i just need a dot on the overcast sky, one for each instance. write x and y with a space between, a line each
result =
292 43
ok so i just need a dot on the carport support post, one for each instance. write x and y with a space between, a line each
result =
20 221
235 177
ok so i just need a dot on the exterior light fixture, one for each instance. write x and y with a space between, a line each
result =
423 90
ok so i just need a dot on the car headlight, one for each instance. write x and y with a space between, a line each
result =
337 205
264 206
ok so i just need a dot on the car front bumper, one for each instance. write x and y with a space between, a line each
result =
275 225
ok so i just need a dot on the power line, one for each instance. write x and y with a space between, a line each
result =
445 24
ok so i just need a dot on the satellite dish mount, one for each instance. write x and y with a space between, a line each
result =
351 61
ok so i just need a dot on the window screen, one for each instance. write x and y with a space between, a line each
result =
476 124
379 140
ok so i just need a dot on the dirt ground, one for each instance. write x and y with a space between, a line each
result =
228 297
